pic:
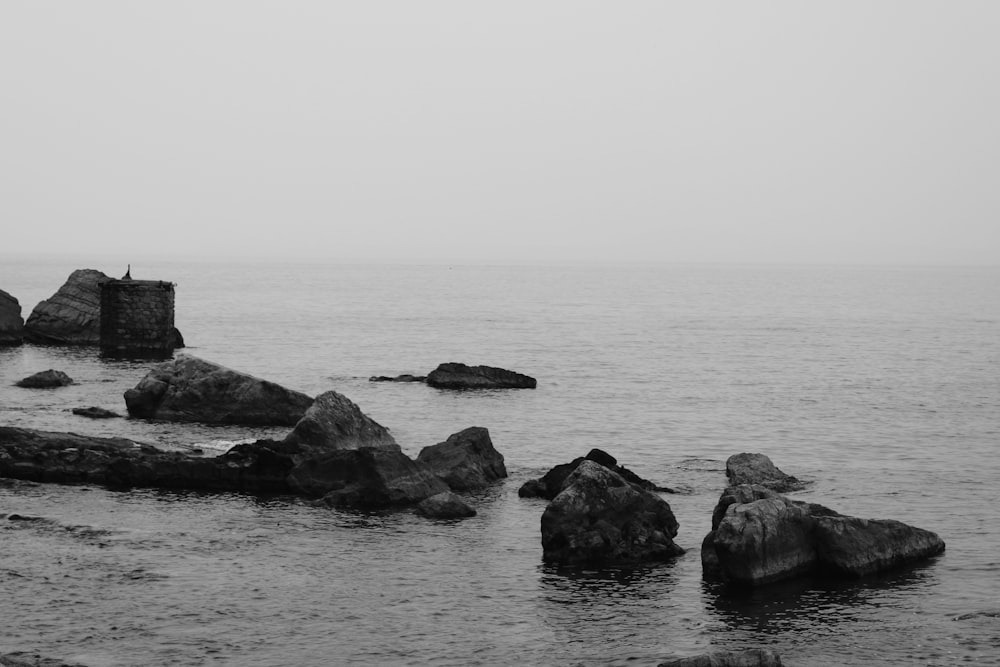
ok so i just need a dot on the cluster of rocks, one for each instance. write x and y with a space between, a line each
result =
454 375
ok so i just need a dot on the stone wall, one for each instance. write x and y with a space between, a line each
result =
137 318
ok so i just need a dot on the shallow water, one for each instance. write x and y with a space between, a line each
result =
881 386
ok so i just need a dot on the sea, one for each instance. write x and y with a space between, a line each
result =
878 385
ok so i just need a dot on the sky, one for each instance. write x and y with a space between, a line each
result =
848 131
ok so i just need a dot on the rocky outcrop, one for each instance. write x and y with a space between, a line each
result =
551 483
368 478
459 376
444 506
759 536
72 316
190 389
46 380
333 421
751 658
465 461
11 322
405 377
600 519
758 469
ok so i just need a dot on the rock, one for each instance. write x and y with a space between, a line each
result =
72 316
758 469
600 519
95 413
550 484
985 613
444 505
465 461
332 422
46 380
26 659
11 322
751 658
365 478
189 389
759 536
399 378
459 376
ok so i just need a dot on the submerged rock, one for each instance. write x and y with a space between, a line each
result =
467 460
445 505
551 483
756 657
190 389
71 316
758 469
600 519
46 380
405 377
460 376
11 322
333 421
95 413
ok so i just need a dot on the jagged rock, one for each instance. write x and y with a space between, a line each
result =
551 483
405 377
445 505
459 376
333 421
365 478
190 389
759 536
751 658
11 322
95 413
466 460
758 469
72 316
46 380
601 519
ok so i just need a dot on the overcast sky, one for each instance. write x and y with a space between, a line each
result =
841 131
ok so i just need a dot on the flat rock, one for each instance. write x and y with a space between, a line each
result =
46 380
460 376
444 505
465 461
71 316
551 483
333 421
601 519
95 413
11 322
758 469
406 377
751 658
189 389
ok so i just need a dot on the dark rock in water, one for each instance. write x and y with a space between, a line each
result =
459 376
759 536
332 422
190 389
72 316
46 380
758 469
751 658
551 483
95 413
365 478
399 378
11 322
466 460
986 613
26 659
445 506
600 519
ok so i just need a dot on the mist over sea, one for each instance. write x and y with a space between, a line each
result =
881 385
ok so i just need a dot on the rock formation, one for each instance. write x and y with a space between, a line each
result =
758 469
465 461
11 322
333 421
46 380
549 485
444 505
190 389
751 658
600 519
72 316
460 376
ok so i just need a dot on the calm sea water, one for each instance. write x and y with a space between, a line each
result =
882 385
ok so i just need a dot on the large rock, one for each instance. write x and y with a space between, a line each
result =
459 376
758 469
551 483
756 657
365 478
600 519
190 389
11 322
72 316
332 422
46 380
467 460
759 536
444 505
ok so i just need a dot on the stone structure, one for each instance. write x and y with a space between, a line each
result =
137 318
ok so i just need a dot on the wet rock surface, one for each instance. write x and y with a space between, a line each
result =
460 376
71 316
758 469
49 379
445 505
333 421
467 460
549 485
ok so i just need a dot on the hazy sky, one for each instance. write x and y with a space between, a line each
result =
843 131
